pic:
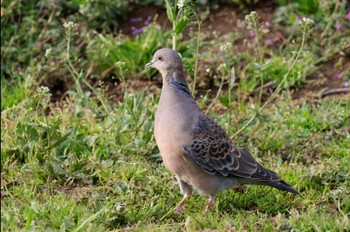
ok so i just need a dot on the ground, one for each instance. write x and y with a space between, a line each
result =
80 155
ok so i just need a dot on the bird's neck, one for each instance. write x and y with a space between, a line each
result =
177 81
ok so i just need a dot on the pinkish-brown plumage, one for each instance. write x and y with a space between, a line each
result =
193 146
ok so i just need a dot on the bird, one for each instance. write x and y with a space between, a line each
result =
194 147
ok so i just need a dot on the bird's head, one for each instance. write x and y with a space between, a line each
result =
166 60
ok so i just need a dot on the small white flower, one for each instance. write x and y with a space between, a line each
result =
180 4
69 24
43 91
251 20
120 63
305 24
222 67
251 16
307 21
225 47
47 52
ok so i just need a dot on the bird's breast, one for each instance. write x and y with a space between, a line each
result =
171 130
173 126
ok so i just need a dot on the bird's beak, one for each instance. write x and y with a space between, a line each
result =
149 65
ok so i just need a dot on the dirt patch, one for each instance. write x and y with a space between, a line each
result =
116 92
222 23
76 192
228 19
327 82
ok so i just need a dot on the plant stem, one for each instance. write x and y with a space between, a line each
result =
279 87
174 24
217 94
77 76
231 83
197 57
229 111
174 37
261 60
71 68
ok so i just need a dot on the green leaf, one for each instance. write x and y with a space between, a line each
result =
232 79
59 141
180 26
308 7
169 11
224 101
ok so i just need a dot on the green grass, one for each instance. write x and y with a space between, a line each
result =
108 177
84 163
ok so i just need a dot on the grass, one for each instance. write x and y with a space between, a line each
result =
77 161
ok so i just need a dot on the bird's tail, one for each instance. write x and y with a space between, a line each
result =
264 176
270 178
281 185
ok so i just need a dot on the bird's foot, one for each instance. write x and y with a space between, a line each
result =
180 207
209 204
239 189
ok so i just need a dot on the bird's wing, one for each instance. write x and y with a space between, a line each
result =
213 151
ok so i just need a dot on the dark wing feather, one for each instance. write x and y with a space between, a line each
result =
214 152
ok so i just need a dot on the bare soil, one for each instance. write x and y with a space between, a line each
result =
222 22
225 20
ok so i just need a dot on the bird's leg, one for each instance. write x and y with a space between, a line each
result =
179 208
209 204
186 190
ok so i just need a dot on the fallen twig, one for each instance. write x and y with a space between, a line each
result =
325 92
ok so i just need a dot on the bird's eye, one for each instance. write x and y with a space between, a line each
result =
160 58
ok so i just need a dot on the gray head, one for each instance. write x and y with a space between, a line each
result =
165 60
